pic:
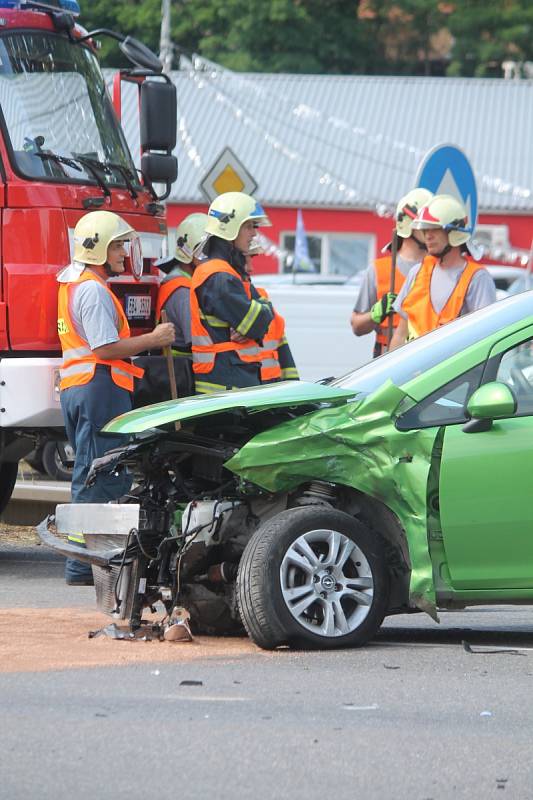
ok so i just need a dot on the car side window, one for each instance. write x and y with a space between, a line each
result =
445 406
516 370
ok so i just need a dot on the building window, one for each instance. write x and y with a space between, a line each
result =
342 254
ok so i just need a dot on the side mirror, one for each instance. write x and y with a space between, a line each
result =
158 115
491 401
140 55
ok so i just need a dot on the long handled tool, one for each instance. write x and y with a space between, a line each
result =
167 352
394 255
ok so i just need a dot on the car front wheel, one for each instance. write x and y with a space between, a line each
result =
315 576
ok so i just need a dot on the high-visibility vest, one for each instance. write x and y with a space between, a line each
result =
273 338
382 269
421 315
79 361
167 288
204 350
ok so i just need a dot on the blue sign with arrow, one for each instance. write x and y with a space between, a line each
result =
446 170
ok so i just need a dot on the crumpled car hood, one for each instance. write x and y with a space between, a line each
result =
286 394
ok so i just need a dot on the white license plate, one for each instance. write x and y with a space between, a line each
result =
138 306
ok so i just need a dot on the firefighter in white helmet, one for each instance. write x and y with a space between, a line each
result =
448 283
228 317
374 303
96 374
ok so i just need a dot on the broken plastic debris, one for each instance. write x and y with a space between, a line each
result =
191 683
513 651
486 714
352 707
155 672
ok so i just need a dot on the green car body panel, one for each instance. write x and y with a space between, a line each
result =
462 498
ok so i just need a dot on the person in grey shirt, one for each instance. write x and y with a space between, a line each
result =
174 291
448 283
374 303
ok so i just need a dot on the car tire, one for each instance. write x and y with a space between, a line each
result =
53 466
313 576
8 478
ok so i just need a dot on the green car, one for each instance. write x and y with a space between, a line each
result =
308 512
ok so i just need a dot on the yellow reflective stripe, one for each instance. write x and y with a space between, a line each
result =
290 373
76 537
283 341
181 353
204 387
215 322
246 323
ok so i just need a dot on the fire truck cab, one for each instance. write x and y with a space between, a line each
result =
63 153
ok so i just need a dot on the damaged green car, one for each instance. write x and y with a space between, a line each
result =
308 512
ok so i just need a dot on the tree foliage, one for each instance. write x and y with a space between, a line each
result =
331 36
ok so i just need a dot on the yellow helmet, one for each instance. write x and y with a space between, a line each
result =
190 236
94 233
407 209
228 211
446 212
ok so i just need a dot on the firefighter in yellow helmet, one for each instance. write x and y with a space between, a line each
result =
374 303
174 290
96 373
228 317
448 283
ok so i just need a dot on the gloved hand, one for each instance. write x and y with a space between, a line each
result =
383 308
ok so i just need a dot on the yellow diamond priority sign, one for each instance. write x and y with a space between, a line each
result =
227 174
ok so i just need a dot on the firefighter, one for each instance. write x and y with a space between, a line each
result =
228 317
448 283
277 363
374 303
96 374
174 290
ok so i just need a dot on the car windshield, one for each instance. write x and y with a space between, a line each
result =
57 114
421 354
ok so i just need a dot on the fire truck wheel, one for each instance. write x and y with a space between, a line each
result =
52 463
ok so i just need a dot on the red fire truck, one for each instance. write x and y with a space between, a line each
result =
63 153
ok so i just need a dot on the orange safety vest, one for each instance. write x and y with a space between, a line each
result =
421 316
167 288
79 361
273 338
204 350
382 269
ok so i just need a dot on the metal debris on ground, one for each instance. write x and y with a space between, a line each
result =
480 650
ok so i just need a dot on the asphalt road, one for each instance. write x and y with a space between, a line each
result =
413 715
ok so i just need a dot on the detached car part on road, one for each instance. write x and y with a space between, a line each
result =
308 512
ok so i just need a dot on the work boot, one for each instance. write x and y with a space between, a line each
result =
77 573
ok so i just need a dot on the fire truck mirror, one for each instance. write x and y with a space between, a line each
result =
159 168
140 55
158 115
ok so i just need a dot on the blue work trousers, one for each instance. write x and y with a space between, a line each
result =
86 409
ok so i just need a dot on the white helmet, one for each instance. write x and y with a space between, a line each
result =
229 211
407 209
94 233
446 212
190 236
